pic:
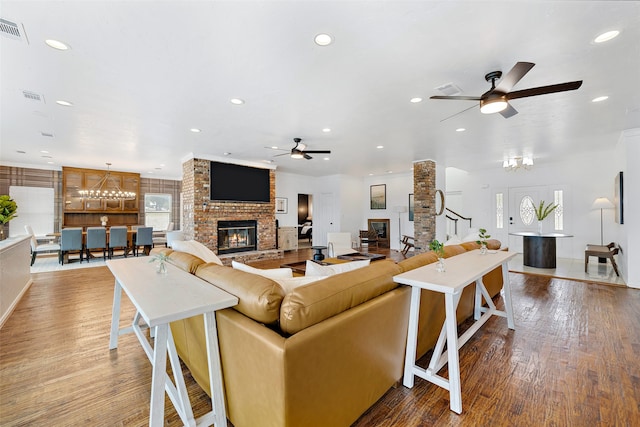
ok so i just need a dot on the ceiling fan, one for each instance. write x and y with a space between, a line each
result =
496 99
300 152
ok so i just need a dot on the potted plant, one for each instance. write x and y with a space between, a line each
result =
438 248
8 209
161 258
483 236
542 212
103 220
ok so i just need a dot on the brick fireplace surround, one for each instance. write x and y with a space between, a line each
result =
200 221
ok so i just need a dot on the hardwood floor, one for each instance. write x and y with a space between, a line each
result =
573 360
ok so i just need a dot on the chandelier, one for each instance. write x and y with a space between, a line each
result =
107 189
515 163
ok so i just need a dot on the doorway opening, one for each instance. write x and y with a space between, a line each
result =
305 220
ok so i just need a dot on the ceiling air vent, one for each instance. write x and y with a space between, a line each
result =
47 134
449 89
32 96
10 29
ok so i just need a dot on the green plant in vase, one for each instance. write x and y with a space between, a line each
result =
543 211
8 211
438 248
161 258
483 236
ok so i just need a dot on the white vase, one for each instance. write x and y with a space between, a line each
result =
161 268
440 265
104 223
540 228
483 248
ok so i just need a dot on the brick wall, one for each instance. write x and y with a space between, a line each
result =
201 221
424 190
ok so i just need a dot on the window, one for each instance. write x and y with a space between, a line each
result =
157 210
527 210
499 210
559 212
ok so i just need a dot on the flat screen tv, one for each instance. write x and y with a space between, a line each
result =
239 183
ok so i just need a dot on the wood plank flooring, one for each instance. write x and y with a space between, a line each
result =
573 360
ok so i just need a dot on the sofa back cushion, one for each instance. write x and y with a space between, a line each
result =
259 298
418 261
185 261
310 304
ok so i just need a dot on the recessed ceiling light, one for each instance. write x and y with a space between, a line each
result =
44 151
226 153
380 146
323 39
415 100
237 101
605 37
195 130
56 44
50 163
326 130
600 99
273 147
326 158
149 172
64 103
460 130
389 171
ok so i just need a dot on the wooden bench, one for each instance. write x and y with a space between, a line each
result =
601 252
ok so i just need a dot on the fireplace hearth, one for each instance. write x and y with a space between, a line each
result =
237 236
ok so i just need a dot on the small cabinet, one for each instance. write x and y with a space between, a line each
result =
288 238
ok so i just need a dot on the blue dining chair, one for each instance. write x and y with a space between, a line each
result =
118 239
96 239
144 239
70 241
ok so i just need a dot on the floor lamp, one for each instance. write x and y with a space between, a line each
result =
400 209
602 203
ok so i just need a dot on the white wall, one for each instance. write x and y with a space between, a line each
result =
398 187
584 178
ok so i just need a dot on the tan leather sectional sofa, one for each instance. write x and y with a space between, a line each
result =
320 355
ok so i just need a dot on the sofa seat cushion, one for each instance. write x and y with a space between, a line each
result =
259 297
314 269
271 273
310 304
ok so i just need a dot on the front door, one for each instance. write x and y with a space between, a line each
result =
522 217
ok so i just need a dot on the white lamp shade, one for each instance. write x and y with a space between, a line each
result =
602 203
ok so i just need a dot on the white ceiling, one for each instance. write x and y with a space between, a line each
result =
141 74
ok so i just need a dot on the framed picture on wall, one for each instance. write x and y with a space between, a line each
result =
411 204
281 205
618 199
378 196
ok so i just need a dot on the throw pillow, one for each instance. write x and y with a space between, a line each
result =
272 273
315 269
288 284
197 249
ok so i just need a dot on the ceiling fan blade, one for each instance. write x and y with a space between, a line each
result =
543 90
509 111
513 76
306 156
318 151
456 98
283 154
459 112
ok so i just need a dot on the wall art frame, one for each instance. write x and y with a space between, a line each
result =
378 196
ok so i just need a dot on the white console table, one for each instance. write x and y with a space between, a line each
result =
461 271
159 300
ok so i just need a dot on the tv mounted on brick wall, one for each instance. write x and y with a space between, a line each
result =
239 183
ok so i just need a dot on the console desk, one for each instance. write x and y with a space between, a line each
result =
159 300
539 250
461 271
